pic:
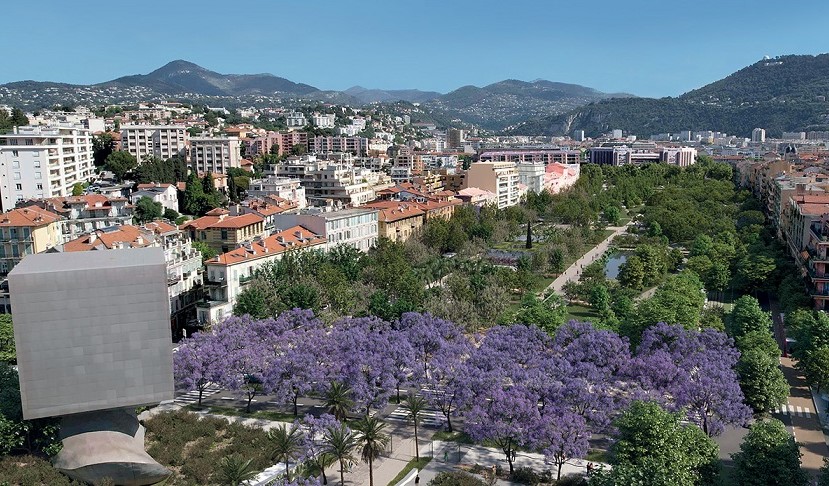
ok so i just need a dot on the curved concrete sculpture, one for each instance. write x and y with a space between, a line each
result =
107 444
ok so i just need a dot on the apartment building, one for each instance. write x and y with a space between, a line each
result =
500 178
323 120
223 232
43 161
353 227
164 194
227 274
266 207
553 177
354 145
282 187
215 154
397 220
295 119
82 214
641 153
544 156
162 141
26 231
337 182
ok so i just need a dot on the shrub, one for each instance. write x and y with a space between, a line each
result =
456 478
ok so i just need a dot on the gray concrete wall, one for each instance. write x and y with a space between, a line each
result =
92 330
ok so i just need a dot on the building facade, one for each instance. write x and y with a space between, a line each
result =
42 162
215 154
162 141
499 178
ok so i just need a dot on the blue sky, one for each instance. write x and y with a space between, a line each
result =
649 48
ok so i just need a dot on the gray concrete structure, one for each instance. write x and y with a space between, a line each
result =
92 331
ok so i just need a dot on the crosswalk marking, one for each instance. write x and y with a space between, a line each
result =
192 397
793 410
431 418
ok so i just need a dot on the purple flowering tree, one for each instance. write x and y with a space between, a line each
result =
296 365
693 371
314 446
245 346
563 436
195 364
359 356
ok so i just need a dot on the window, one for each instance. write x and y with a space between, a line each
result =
37 164
15 153
224 234
29 141
19 187
15 164
17 176
40 187
38 175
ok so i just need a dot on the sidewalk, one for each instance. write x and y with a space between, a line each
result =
807 430
573 272
470 455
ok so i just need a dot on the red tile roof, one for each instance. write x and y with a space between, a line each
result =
291 238
31 216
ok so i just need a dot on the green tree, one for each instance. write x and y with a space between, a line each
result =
206 251
632 273
102 146
121 163
547 314
252 301
235 470
147 210
768 455
171 214
340 443
761 380
823 478
815 366
286 445
18 118
7 351
759 340
415 406
372 441
747 316
77 189
654 448
338 400
600 298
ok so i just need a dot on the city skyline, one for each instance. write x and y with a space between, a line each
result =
436 47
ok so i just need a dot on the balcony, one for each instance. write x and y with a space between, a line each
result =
244 280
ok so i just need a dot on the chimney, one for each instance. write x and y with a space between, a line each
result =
93 237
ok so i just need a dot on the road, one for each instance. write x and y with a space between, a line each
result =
799 414
573 272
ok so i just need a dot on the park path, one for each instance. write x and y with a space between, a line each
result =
573 272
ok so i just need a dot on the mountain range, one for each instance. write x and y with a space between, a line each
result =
785 93
494 107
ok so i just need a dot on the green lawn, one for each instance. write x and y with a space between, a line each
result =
237 412
413 464
581 313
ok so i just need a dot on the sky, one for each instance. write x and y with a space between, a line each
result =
648 48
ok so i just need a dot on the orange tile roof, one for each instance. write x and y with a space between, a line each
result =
133 236
153 185
291 238
31 216
160 227
201 223
236 222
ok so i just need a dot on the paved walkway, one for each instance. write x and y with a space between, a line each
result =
574 271
806 428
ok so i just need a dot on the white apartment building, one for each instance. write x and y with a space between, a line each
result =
227 275
499 178
43 161
295 119
353 227
166 194
162 141
215 154
758 135
323 120
284 187
338 182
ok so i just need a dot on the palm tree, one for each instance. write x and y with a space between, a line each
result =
338 400
235 470
341 441
372 442
286 445
317 465
415 405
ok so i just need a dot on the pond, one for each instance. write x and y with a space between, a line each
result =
611 268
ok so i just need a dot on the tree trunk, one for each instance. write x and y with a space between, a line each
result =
201 392
247 407
342 473
287 470
417 449
296 409
447 414
398 393
558 476
370 471
324 478
508 450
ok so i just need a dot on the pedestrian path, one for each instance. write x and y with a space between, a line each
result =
793 410
192 397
